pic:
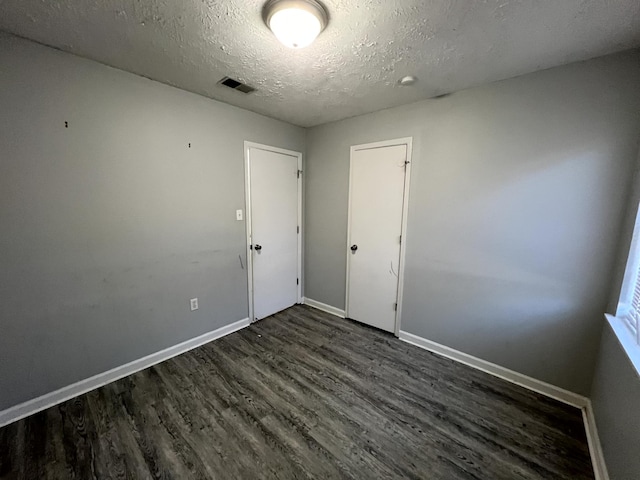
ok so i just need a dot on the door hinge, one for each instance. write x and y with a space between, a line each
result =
297 281
395 307
299 173
298 229
400 241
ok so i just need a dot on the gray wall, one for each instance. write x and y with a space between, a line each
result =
615 397
615 393
111 225
517 199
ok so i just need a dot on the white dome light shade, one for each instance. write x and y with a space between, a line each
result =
296 23
295 28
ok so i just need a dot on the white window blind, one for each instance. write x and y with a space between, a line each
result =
633 308
629 303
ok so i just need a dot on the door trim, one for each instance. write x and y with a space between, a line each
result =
247 208
408 141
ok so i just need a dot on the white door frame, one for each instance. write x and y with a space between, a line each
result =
247 191
408 141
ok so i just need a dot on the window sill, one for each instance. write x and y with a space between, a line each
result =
625 337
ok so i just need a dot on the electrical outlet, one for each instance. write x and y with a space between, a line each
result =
194 304
238 214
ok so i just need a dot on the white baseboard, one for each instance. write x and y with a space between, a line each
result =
557 393
595 448
496 370
324 307
38 404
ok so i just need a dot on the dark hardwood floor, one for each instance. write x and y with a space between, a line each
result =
302 394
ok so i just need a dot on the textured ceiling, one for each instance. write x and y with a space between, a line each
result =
354 65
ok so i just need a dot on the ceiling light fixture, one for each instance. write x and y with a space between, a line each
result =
296 23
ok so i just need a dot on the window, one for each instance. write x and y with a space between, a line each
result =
629 304
626 323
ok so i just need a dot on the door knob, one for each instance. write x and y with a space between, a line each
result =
258 247
354 248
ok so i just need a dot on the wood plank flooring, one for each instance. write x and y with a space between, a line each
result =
302 395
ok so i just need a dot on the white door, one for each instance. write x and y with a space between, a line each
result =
377 191
273 230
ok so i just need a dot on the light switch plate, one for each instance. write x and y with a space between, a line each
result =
238 214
